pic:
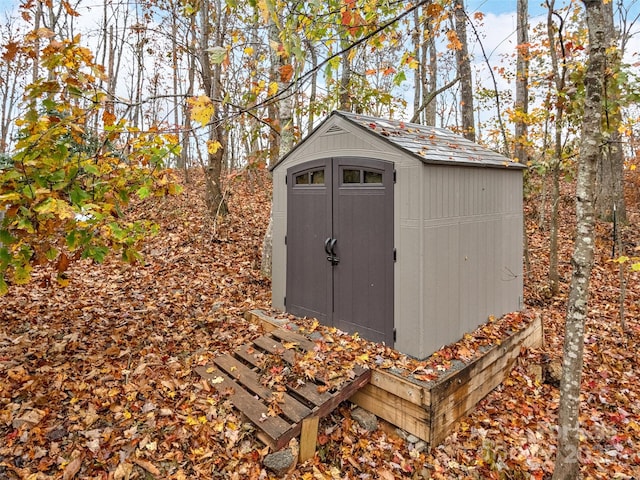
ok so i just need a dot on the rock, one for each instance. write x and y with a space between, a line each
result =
420 446
365 419
402 434
280 462
412 439
552 371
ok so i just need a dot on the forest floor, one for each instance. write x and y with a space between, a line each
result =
97 381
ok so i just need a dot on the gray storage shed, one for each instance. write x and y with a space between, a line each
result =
407 234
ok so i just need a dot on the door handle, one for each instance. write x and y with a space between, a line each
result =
332 246
327 248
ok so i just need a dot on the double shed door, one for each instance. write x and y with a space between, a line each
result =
340 250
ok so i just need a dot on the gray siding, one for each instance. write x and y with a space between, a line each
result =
472 265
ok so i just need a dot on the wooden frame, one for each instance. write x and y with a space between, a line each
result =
430 410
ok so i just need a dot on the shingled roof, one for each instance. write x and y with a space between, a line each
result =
426 143
430 144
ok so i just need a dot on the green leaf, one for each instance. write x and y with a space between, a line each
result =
118 233
5 259
51 254
399 78
96 253
78 196
22 274
143 192
91 169
3 286
6 238
25 224
635 267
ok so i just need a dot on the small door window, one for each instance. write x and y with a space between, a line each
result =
317 177
372 177
350 176
313 177
353 176
302 178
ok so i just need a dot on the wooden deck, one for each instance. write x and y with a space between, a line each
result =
430 410
283 411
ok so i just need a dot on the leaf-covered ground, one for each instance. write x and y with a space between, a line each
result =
96 379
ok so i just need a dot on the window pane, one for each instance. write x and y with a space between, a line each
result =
372 177
317 177
302 179
350 176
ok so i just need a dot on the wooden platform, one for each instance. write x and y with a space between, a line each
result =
283 411
430 410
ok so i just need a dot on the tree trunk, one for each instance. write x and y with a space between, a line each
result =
464 72
344 99
522 105
522 82
430 111
559 77
567 459
285 143
211 78
610 178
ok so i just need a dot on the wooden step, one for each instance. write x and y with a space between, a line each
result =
283 412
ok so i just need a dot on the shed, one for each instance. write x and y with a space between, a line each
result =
407 234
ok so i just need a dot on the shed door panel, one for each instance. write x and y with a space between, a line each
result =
309 280
363 227
353 204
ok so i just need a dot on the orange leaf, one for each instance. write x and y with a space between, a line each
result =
63 263
434 9
70 11
286 73
108 118
10 51
346 18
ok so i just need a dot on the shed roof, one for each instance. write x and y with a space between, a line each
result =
426 143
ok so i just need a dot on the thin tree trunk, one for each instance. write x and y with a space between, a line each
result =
344 98
174 78
211 74
419 74
610 179
559 76
522 105
567 464
464 72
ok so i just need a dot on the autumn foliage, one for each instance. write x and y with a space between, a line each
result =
98 377
74 170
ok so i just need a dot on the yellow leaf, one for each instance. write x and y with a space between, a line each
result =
363 358
201 109
216 380
632 168
191 421
273 88
13 196
290 345
248 50
211 369
213 146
